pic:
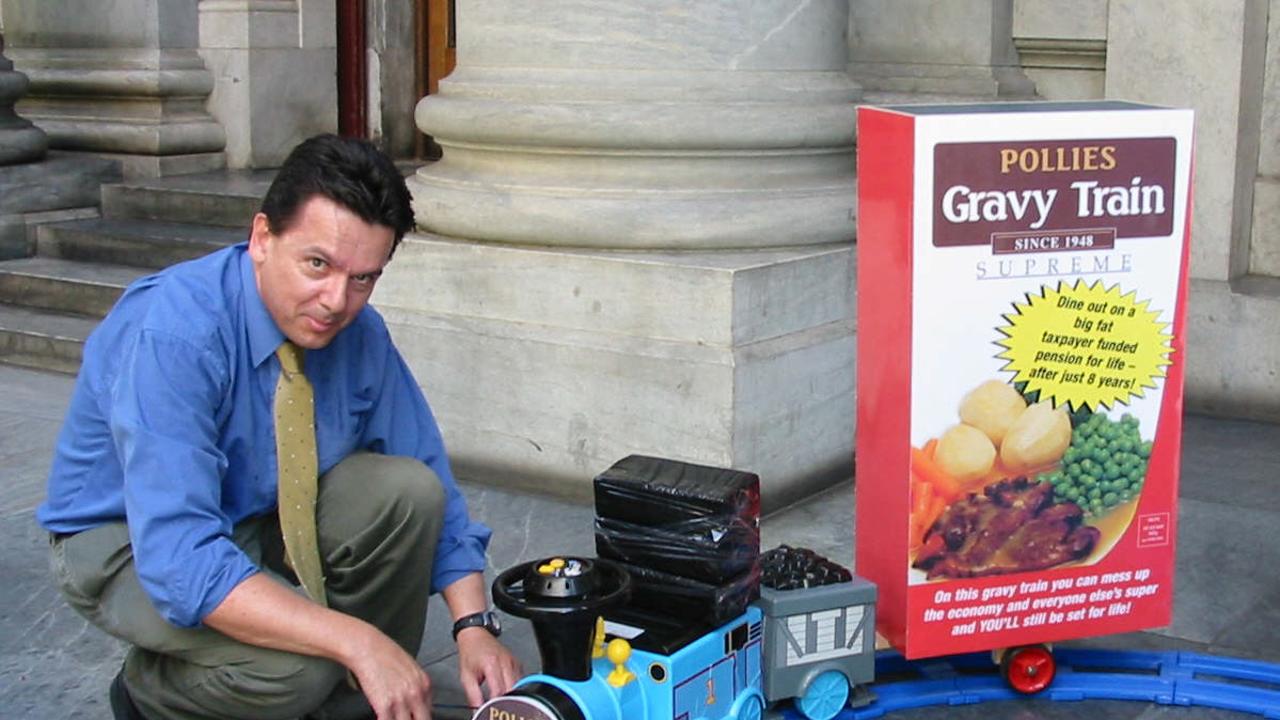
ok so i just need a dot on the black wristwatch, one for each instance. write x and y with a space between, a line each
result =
487 620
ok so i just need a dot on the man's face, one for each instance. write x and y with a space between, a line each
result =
317 276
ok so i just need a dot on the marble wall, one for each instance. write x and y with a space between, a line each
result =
1219 59
960 47
274 67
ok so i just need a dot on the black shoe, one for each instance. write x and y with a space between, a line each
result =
122 707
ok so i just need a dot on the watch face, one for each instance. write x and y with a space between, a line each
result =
494 623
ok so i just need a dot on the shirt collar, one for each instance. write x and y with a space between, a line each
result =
264 335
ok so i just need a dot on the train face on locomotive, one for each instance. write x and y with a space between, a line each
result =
815 645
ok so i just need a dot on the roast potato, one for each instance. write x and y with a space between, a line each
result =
992 407
965 453
1039 437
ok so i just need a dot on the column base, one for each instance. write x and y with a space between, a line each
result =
546 366
63 186
21 144
123 102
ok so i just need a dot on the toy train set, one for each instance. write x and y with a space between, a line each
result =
622 636
682 617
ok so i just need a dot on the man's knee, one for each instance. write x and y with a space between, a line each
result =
271 684
381 494
287 688
410 485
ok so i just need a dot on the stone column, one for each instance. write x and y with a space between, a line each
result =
120 78
274 64
925 47
20 141
638 240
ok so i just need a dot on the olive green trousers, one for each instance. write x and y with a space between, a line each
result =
378 520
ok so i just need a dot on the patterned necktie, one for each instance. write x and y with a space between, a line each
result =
298 468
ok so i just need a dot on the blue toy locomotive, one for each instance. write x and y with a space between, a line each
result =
685 619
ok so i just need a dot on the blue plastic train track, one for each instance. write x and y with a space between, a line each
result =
1164 678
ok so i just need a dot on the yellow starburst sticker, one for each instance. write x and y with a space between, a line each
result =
1085 345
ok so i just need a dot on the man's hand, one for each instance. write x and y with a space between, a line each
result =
395 685
392 681
482 659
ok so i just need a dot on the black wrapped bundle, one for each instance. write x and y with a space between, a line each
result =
657 492
710 549
690 601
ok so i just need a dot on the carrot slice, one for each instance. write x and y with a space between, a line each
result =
928 470
921 500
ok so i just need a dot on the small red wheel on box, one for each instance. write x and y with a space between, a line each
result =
1028 669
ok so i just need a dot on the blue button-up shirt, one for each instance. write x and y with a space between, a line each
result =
170 427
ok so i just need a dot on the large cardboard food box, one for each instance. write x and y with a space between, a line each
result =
1022 276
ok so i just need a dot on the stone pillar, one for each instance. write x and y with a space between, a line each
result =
274 65
925 47
638 240
20 141
120 78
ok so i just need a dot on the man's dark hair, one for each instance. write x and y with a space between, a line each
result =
350 172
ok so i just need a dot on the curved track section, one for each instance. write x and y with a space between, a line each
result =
1164 678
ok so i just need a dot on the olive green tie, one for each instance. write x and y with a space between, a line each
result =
298 470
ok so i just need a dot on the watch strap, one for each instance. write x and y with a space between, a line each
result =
485 619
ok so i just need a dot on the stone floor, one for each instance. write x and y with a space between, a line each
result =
54 665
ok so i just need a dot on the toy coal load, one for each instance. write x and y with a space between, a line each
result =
688 534
820 630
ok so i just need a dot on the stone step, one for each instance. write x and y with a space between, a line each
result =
137 243
64 285
42 339
227 198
